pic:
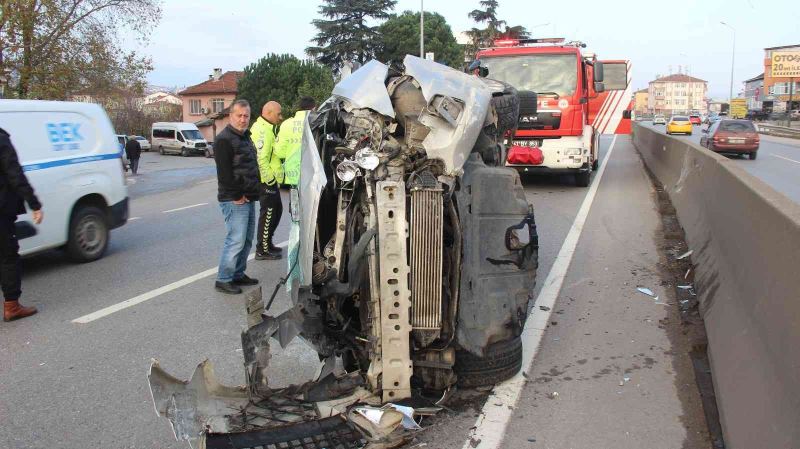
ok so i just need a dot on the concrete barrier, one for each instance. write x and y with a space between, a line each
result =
746 242
780 131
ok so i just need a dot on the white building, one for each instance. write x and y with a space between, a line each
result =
677 94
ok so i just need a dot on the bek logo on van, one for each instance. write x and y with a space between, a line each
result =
64 136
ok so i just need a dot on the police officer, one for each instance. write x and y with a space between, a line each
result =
14 192
290 138
263 134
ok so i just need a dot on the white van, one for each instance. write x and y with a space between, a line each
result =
178 138
71 157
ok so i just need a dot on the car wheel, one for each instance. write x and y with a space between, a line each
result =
753 155
185 152
502 361
88 234
161 150
208 153
595 164
507 106
690 133
582 178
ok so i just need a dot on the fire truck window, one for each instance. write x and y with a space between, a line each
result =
539 73
615 76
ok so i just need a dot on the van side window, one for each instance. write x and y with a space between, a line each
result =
164 133
180 137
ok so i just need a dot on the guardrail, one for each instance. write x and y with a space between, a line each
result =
745 238
780 131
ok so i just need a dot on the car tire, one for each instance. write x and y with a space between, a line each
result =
583 178
185 152
88 234
595 164
690 134
161 150
207 153
753 155
502 361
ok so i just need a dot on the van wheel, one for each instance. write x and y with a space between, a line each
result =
185 152
88 235
582 178
502 361
161 150
753 155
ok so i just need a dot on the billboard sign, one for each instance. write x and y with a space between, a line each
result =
786 64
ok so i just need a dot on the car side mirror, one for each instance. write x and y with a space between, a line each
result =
599 87
598 72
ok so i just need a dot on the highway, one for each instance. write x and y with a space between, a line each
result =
777 164
68 384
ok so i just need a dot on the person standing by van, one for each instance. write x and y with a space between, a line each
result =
15 190
263 134
238 187
134 151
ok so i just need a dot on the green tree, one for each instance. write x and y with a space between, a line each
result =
400 36
345 34
515 32
284 78
488 15
55 48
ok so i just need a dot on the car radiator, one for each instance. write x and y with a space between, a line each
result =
426 264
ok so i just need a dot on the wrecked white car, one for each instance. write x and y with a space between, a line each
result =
412 263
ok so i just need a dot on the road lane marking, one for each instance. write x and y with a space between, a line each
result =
184 208
134 218
102 313
490 427
791 160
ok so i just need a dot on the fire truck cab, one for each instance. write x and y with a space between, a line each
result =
574 107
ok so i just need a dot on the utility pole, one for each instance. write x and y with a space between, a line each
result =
422 28
733 58
789 108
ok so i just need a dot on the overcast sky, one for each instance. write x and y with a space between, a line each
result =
196 35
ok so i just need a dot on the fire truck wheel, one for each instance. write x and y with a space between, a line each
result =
502 361
595 164
506 103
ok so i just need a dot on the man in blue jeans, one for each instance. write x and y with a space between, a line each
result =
238 189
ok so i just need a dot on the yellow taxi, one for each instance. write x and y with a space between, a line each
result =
679 124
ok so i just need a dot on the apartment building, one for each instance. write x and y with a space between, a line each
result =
677 94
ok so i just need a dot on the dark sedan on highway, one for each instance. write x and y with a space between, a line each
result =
732 136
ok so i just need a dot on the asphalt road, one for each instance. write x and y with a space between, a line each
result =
68 385
777 164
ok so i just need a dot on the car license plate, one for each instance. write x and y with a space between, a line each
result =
735 140
532 143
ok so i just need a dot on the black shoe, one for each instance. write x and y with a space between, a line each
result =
245 280
227 287
275 249
269 255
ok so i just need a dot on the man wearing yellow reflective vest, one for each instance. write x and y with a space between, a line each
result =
290 138
263 133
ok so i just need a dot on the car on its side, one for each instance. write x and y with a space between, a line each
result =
679 124
144 144
695 119
732 136
659 119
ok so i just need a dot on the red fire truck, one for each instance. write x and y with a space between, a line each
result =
577 98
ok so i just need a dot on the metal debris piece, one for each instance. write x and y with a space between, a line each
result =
646 291
685 287
545 308
685 255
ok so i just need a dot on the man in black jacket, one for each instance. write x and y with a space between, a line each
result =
134 151
15 191
238 188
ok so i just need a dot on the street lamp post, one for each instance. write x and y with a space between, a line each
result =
733 58
421 28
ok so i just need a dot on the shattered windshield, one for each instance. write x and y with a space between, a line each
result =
541 73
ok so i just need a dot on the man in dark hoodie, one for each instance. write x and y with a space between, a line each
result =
15 191
134 152
238 189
